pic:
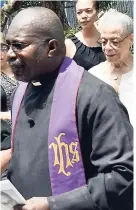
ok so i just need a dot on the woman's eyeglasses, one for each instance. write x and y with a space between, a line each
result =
114 44
4 47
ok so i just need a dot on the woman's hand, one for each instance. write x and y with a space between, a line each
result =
5 156
5 115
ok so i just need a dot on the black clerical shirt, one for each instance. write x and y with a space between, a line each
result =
106 144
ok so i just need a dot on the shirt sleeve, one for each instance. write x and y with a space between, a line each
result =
5 135
111 134
5 128
3 100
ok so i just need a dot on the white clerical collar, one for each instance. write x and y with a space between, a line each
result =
36 83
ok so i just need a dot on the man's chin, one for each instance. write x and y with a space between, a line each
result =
21 78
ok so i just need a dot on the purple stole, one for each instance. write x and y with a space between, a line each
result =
64 154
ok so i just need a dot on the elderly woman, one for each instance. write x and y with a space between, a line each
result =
83 47
116 40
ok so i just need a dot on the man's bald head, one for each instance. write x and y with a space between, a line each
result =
36 38
40 21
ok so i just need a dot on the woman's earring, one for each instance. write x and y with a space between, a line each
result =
131 48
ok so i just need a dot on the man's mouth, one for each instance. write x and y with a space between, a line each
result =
17 68
15 64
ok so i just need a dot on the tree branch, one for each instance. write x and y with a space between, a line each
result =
7 10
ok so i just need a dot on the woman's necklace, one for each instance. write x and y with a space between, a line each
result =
114 76
114 73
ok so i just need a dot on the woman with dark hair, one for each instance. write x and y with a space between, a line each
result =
8 84
83 47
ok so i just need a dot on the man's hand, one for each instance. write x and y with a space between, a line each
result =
34 203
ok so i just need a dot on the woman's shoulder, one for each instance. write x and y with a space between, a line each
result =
70 48
95 70
76 38
71 39
68 41
99 71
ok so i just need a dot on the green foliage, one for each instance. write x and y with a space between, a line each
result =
71 31
57 6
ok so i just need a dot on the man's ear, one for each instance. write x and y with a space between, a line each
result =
53 48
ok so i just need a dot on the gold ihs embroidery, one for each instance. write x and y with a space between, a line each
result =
61 149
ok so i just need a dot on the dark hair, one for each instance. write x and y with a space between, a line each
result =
96 4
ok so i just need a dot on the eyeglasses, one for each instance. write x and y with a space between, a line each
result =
4 47
113 44
17 46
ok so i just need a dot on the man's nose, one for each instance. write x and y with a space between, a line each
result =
11 53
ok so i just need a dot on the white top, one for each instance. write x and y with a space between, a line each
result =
126 93
126 88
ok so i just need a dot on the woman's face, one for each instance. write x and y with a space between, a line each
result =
115 43
3 55
86 13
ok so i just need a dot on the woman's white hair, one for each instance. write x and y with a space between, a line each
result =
112 16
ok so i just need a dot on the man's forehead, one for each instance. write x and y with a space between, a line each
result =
19 33
20 25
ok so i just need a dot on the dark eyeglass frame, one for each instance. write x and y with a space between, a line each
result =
118 42
17 46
